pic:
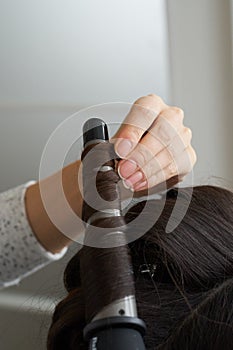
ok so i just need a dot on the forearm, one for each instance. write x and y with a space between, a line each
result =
51 238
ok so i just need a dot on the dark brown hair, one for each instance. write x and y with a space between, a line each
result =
106 260
188 303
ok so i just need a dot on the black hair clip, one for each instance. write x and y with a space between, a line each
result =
172 193
148 269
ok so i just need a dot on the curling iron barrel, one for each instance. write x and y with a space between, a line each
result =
105 262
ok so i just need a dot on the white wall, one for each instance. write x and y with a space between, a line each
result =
60 56
72 52
201 58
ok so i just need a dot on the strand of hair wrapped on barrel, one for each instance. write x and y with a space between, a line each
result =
106 273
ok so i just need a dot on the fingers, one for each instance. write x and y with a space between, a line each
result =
165 165
161 137
176 168
140 118
154 144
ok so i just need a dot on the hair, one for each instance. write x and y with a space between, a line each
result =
188 302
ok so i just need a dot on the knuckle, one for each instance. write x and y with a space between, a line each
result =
188 132
172 169
136 133
178 112
185 138
148 171
148 109
152 103
149 114
194 156
157 98
140 100
165 132
153 95
139 156
172 151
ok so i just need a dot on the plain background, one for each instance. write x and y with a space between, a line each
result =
60 56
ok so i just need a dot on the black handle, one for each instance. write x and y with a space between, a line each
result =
117 339
94 129
116 333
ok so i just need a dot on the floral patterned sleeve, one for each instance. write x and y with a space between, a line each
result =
20 252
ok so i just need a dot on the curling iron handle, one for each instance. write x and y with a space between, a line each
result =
94 129
117 339
113 333
116 333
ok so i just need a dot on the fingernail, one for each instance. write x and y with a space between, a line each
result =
133 179
127 168
140 185
123 148
126 185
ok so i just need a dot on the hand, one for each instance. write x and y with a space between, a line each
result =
154 144
160 151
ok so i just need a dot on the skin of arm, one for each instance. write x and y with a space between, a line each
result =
45 231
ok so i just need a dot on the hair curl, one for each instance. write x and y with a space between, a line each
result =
188 303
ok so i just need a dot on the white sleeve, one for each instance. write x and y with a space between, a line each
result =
20 252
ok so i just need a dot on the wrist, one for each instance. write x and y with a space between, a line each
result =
47 233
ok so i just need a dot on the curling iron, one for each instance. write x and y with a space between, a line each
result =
117 326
